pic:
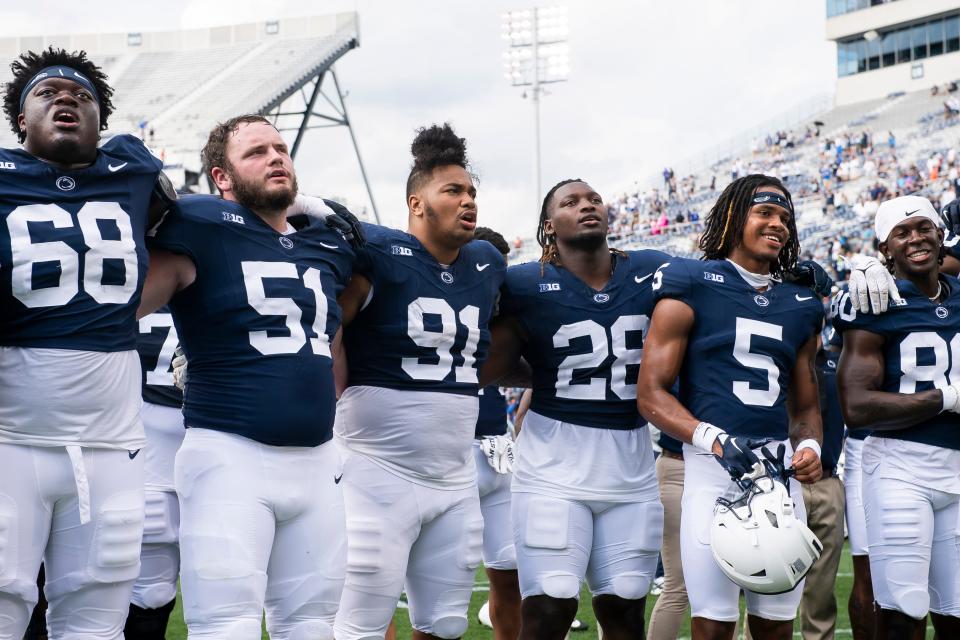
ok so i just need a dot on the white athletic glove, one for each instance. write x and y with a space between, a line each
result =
951 398
871 285
499 452
179 364
311 206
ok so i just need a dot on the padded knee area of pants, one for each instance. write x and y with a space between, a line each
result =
448 627
157 595
560 585
630 586
115 552
911 600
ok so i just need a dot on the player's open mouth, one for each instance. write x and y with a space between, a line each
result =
279 174
772 239
591 220
66 119
469 220
919 256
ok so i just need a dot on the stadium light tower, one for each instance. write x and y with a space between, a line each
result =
537 54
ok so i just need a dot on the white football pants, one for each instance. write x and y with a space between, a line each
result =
261 527
494 489
90 566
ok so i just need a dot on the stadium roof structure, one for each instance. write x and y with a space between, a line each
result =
171 87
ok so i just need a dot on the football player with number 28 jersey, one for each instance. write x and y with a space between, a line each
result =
898 376
415 331
253 296
72 263
585 499
743 345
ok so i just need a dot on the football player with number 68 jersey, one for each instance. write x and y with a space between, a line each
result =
254 299
899 378
72 264
743 342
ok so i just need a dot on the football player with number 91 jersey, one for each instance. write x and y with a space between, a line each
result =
416 330
253 295
72 263
900 376
742 341
585 500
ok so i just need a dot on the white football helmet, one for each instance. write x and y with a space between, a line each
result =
758 541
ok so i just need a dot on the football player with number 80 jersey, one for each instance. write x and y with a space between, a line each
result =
743 345
72 263
899 377
585 500
253 296
415 333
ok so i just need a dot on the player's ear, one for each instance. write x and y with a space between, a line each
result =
22 122
221 179
548 227
415 204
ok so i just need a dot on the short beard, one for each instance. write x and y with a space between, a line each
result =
256 198
434 218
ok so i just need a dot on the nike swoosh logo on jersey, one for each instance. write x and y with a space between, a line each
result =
337 479
638 279
133 454
481 267
114 169
799 299
329 246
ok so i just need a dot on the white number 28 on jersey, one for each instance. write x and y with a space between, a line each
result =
600 349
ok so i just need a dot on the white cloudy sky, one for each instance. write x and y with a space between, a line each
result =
651 83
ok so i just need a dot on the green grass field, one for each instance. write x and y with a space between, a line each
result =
177 630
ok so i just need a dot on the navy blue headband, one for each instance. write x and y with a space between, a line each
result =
771 197
59 71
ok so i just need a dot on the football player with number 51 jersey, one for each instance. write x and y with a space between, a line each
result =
72 263
899 377
585 499
416 329
743 344
254 299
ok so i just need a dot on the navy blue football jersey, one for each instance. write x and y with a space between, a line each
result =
492 419
72 255
426 325
921 352
743 346
156 343
583 345
257 322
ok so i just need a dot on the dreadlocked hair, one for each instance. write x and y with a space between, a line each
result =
549 242
728 217
435 146
29 63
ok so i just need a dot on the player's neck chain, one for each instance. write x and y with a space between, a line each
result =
939 291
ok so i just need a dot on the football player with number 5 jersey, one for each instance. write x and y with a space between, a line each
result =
898 377
743 344
253 295
72 263
585 499
416 329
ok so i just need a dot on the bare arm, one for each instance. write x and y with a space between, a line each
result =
340 368
663 353
503 364
522 407
860 378
353 297
803 407
168 274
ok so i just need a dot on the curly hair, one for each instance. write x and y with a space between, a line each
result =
29 63
548 242
728 218
434 146
494 238
214 152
